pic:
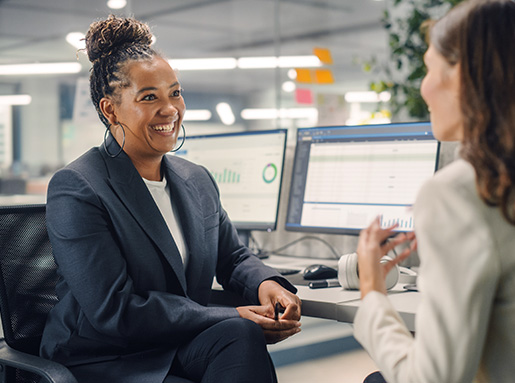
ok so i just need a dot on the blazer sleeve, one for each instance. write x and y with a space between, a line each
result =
94 274
238 269
457 280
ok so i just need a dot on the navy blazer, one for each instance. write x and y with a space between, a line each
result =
125 301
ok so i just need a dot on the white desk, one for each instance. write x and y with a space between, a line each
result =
405 302
339 304
22 199
320 303
342 305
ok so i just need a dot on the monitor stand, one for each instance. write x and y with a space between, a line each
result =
245 238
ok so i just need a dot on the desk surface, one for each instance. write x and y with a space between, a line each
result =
332 303
339 304
22 199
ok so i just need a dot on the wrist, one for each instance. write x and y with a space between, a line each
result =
366 286
266 290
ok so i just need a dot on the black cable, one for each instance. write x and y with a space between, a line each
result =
256 247
306 237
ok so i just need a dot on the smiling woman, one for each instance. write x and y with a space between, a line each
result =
139 236
147 114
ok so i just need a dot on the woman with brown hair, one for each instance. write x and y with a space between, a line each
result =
138 236
464 216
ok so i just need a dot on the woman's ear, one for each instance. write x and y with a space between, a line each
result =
108 110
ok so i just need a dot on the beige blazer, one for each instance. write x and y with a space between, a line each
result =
465 324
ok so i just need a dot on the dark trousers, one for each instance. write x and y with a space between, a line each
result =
231 351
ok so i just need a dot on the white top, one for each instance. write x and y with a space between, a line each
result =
465 323
163 199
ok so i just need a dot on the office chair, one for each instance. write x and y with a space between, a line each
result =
27 293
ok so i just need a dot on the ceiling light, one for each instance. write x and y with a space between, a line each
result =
385 96
369 96
294 113
224 110
76 39
116 4
292 74
203 64
18 99
278 62
197 115
47 68
259 114
263 62
271 113
310 61
257 62
288 86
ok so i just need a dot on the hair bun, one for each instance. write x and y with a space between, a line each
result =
108 36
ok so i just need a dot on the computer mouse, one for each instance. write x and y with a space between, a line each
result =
319 272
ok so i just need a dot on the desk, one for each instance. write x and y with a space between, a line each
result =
22 199
405 302
336 303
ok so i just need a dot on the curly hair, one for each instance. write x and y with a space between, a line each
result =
479 35
110 45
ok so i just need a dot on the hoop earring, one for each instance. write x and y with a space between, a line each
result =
123 141
183 139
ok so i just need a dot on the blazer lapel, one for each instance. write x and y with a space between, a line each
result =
131 189
187 201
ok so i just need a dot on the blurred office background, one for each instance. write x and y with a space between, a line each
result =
51 120
266 64
244 65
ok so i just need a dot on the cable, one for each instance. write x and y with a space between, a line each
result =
255 247
307 237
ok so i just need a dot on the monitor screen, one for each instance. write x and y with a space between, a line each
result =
248 168
345 176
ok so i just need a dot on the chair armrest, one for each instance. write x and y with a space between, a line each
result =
52 371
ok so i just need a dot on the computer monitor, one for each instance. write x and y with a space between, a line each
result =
345 176
248 168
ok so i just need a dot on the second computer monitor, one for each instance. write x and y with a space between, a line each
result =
248 168
345 176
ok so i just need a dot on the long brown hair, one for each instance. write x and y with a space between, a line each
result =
480 35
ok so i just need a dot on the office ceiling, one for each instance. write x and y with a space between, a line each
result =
35 30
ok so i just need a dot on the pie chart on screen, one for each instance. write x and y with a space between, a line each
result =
269 173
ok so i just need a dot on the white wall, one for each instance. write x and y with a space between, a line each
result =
40 123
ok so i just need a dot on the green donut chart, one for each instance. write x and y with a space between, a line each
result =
269 173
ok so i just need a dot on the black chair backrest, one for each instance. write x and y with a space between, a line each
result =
27 276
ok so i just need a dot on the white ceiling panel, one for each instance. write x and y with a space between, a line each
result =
34 31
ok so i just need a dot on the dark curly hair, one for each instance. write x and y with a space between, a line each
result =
479 35
110 45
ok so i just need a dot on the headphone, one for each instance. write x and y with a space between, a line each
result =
348 273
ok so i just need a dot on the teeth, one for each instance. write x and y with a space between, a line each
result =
163 128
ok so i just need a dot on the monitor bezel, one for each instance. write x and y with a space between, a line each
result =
258 226
334 230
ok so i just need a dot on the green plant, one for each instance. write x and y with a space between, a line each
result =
405 68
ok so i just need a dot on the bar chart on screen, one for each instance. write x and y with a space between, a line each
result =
344 177
247 168
226 176
403 222
350 184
